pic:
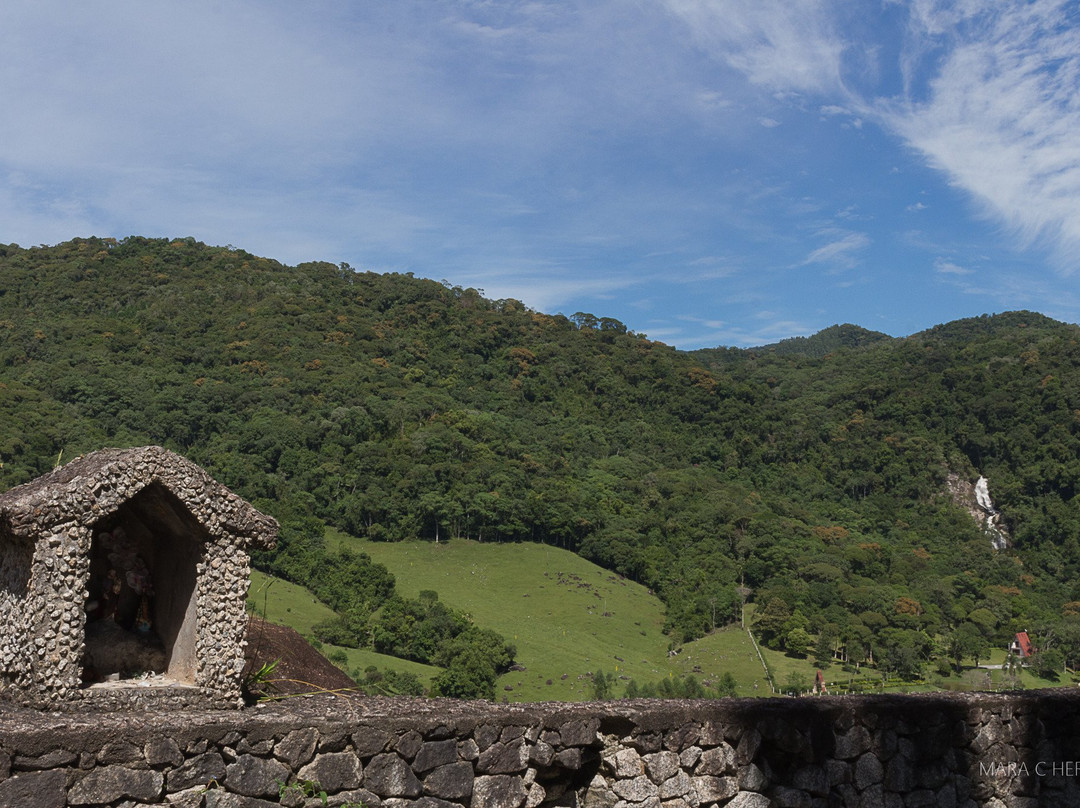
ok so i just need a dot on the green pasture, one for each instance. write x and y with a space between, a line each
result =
725 650
286 603
290 605
567 617
362 658
987 676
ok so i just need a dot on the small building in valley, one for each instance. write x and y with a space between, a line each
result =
123 580
1021 645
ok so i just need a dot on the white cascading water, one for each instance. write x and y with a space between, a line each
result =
982 498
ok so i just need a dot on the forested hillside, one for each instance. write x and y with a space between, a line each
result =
808 477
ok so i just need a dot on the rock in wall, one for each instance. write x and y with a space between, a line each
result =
895 751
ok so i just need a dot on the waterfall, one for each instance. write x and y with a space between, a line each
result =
982 498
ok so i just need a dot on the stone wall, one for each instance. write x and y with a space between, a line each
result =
895 751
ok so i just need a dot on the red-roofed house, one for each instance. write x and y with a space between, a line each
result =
1021 645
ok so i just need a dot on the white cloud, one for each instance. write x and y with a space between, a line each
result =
946 267
832 110
1001 120
1000 115
780 44
336 127
708 268
851 213
840 251
989 92
198 82
711 101
31 214
547 291
708 331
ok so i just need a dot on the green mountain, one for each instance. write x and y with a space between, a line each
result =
826 341
811 478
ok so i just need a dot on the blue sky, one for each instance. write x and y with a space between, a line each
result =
710 172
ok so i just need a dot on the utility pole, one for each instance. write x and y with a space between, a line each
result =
744 593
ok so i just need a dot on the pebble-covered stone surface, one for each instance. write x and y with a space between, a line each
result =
46 528
994 751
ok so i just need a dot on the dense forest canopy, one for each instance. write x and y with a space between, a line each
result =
808 477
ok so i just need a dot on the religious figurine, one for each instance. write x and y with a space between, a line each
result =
142 619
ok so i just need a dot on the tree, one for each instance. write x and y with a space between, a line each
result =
795 685
823 648
798 642
967 641
1048 664
1068 640
473 660
469 676
397 408
602 685
770 622
692 689
904 659
339 658
336 631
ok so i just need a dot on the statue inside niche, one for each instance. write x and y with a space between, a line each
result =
120 641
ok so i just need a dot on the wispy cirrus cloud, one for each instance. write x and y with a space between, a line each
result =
946 267
988 92
842 251
630 159
548 289
1000 114
783 45
763 327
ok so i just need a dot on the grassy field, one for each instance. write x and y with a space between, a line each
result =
726 650
362 658
987 676
291 605
285 603
567 617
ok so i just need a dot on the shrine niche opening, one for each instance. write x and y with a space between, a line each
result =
141 615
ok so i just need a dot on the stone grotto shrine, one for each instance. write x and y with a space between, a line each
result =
123 579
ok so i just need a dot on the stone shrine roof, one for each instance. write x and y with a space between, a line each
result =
95 485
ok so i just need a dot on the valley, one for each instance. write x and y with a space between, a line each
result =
824 485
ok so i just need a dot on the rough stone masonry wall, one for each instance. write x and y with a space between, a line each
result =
894 751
